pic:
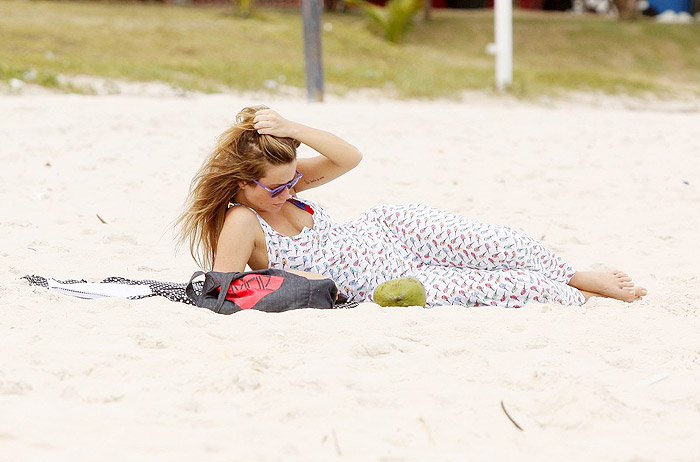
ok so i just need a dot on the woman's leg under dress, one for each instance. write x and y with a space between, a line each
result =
509 288
465 262
442 238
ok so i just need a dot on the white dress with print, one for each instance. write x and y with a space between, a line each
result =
459 261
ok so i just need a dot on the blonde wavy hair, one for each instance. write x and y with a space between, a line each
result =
241 155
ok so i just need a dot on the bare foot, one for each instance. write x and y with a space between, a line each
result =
611 283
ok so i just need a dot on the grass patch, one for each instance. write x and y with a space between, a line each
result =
211 49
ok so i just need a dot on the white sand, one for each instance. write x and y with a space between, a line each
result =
114 379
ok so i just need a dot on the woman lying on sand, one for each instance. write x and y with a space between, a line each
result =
243 209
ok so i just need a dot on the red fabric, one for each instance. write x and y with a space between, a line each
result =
251 288
301 205
530 4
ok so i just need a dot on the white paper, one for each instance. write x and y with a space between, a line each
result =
99 289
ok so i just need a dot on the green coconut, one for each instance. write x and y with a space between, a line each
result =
400 292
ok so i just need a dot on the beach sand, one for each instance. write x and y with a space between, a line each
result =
606 184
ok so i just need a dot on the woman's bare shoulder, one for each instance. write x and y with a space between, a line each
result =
238 240
241 220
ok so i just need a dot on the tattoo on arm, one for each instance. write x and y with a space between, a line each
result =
314 180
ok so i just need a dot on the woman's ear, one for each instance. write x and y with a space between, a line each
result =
243 185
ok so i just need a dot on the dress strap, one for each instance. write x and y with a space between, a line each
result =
231 203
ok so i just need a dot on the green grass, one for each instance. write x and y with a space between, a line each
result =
211 49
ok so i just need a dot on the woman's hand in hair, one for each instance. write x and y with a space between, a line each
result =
268 122
337 155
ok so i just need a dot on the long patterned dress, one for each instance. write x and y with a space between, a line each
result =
459 261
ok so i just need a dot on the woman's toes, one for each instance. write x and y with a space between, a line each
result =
638 293
629 296
626 284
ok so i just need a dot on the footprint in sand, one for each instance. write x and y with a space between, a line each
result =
120 238
14 388
148 342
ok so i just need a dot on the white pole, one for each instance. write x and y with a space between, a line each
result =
503 12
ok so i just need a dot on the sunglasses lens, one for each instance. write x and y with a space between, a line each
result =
278 190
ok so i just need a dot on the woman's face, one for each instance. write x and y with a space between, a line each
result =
257 197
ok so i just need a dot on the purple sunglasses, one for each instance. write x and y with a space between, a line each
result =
279 189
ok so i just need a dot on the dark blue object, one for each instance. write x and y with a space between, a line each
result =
675 5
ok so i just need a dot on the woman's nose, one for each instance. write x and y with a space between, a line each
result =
285 194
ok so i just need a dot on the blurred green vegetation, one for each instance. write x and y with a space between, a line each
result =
393 19
212 49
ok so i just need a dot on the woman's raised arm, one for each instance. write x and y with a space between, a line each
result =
337 155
